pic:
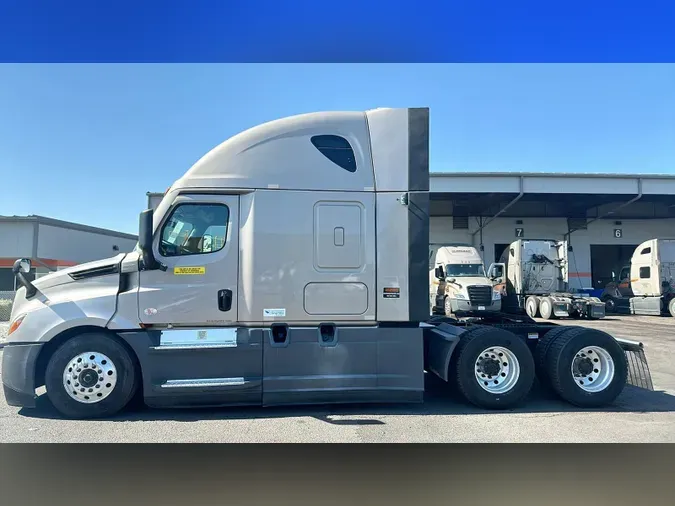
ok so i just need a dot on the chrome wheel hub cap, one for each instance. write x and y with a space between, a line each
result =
593 369
89 377
497 370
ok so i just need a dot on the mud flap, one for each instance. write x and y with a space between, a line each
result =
638 369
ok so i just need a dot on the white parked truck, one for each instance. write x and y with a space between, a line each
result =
648 282
458 284
289 265
535 275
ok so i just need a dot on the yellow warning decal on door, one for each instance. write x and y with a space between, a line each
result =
189 270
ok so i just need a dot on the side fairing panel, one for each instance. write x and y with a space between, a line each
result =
300 245
400 147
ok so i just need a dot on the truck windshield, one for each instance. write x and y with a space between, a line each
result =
460 270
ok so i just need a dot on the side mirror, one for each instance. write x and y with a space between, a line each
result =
145 240
439 272
498 280
20 268
21 265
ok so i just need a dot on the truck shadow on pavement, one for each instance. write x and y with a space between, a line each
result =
438 400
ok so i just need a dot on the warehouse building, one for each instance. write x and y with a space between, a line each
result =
604 217
54 244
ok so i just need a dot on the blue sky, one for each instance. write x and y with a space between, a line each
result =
85 142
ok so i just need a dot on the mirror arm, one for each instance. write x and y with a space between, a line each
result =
31 290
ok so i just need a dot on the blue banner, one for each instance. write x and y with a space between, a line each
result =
336 31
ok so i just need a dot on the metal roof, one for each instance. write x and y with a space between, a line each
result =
552 183
550 194
43 220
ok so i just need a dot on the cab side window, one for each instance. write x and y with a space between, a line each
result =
194 229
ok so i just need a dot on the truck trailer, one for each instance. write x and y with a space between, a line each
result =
458 284
289 265
534 276
648 283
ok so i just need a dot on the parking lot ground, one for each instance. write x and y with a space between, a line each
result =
637 415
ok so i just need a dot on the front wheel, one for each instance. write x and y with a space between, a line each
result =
671 307
90 376
494 368
610 303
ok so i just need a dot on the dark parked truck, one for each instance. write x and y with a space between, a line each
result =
289 265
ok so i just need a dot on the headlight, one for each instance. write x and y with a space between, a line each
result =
460 296
15 324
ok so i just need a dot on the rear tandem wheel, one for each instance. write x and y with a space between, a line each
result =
493 368
584 366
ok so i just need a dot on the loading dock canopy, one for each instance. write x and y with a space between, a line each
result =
523 195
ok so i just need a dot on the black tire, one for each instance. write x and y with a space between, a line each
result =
541 351
610 304
671 307
532 306
560 356
124 388
471 344
546 308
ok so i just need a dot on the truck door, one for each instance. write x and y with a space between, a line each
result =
644 278
192 299
624 285
197 241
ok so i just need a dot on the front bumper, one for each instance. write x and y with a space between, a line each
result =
465 306
18 374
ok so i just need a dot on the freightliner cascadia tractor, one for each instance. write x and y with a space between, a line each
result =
289 265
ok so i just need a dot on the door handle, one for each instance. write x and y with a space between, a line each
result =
224 300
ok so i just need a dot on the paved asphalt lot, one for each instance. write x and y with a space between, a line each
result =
637 416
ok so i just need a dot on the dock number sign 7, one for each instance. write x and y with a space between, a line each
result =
520 232
618 233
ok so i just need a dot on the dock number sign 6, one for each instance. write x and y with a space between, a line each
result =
520 232
618 233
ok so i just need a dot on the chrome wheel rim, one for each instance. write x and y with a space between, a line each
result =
593 369
89 377
497 370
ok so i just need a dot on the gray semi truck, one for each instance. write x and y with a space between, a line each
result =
289 265
534 277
